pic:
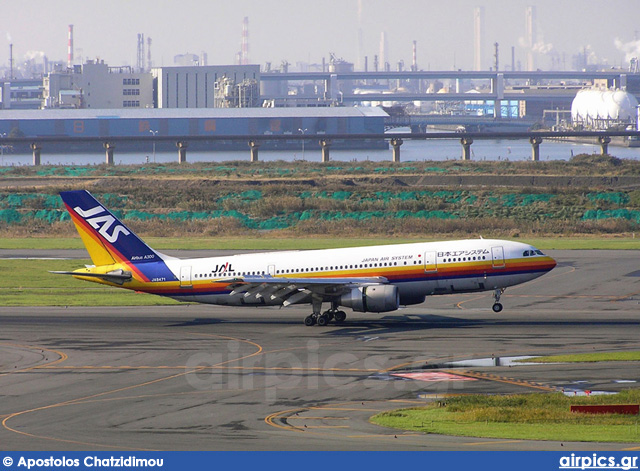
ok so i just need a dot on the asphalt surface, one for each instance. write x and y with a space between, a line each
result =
199 377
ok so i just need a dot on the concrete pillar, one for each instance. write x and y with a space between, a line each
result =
109 147
396 143
182 151
466 147
254 145
36 153
325 144
604 144
535 147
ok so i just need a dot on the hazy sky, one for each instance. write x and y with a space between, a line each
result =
303 30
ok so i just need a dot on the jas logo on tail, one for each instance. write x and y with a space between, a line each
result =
102 223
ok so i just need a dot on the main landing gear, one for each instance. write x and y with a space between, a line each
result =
323 319
497 307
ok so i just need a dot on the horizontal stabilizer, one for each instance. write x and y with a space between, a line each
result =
116 276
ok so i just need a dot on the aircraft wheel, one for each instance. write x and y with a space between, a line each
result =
323 320
340 316
309 321
328 315
497 307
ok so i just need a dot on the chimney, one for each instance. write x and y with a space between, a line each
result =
10 61
414 60
70 48
244 52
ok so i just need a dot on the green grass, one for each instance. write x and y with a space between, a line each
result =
586 357
28 283
268 243
522 417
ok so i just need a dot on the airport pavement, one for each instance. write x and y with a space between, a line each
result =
215 378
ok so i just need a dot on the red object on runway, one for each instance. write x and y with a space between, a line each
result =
627 409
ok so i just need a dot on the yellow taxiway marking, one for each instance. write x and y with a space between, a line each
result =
307 417
213 367
281 419
497 440
113 391
326 426
62 357
501 379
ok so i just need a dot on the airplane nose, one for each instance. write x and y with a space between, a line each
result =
552 263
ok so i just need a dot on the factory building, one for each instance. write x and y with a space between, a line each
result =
95 85
238 122
21 94
206 86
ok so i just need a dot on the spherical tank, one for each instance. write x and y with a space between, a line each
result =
608 104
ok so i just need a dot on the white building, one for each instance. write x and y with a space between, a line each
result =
194 87
96 85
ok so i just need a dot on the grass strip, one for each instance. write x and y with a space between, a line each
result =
29 283
303 243
520 417
585 357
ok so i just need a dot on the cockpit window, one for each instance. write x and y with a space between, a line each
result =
525 253
539 252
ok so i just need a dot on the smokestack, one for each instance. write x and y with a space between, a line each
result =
383 48
10 61
530 28
478 20
149 64
513 59
244 53
70 48
496 57
414 60
140 58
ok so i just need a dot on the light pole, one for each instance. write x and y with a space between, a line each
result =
302 131
154 144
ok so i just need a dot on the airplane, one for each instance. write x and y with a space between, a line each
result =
366 279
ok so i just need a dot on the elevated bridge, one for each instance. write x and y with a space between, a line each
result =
395 140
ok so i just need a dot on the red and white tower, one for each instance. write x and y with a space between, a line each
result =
244 50
70 48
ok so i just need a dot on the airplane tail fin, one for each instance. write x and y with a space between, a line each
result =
106 238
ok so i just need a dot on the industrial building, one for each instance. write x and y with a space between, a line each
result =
198 86
203 122
95 85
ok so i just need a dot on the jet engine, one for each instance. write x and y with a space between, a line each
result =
376 298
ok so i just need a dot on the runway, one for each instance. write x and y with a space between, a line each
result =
199 377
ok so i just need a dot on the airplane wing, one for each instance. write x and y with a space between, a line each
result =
295 290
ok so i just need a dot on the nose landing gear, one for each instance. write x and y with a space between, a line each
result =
497 307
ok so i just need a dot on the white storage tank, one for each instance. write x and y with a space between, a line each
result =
602 109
